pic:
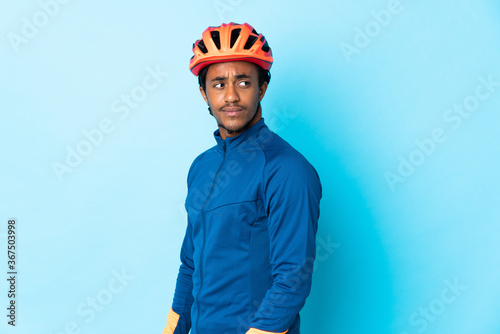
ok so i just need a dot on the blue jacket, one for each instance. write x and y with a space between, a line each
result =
247 256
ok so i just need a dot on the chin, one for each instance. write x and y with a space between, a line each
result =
236 127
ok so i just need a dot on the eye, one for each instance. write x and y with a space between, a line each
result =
244 83
218 85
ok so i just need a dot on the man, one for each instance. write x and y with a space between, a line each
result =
252 203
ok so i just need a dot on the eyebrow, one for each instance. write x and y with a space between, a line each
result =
238 76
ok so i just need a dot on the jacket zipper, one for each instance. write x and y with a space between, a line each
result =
204 233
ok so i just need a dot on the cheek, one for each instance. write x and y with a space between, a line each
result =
257 98
253 96
213 98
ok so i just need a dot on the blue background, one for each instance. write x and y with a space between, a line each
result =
368 91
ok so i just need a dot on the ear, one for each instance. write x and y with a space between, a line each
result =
262 90
203 94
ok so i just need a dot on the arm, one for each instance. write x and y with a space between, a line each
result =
179 318
292 195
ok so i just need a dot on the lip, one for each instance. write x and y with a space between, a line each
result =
232 111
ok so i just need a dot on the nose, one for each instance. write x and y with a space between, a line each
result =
231 94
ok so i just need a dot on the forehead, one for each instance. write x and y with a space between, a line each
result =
232 68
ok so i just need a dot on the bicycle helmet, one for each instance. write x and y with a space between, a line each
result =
230 42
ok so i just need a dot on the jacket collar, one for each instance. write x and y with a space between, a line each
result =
231 143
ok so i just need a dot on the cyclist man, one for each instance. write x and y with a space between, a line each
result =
252 203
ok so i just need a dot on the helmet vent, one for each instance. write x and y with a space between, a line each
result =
265 47
202 46
234 36
251 40
230 42
216 38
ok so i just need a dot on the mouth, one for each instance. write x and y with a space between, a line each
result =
232 111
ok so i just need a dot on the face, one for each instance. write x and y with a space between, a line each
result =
233 94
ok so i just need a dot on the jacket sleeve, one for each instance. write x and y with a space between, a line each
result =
292 196
179 318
